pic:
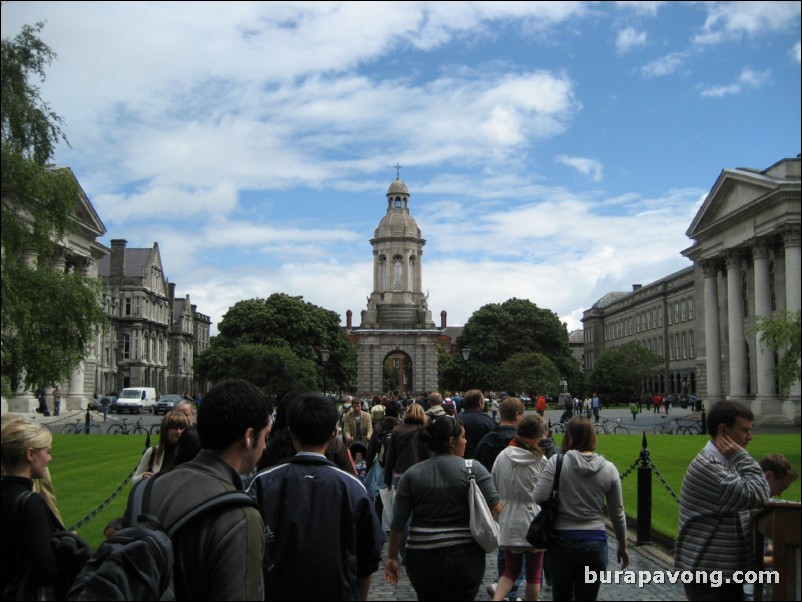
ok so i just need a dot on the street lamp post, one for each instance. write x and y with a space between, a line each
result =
324 358
466 353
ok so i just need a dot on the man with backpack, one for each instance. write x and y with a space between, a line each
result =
220 556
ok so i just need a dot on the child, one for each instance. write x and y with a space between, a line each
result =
633 407
361 465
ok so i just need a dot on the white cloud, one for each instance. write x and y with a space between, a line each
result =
629 39
732 20
589 167
748 78
796 53
665 65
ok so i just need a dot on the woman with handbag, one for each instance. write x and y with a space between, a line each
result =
515 475
161 458
580 541
444 561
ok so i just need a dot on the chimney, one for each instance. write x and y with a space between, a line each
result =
636 287
171 291
443 319
118 257
348 315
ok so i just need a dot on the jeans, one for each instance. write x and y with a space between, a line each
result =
453 573
567 560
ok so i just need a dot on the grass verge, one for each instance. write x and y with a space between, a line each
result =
86 470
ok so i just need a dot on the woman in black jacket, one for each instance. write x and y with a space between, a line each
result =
30 570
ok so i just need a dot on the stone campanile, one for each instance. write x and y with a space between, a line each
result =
397 330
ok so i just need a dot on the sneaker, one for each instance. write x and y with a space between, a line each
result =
491 589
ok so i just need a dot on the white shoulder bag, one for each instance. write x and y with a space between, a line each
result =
484 527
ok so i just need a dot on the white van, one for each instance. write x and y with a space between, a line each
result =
135 399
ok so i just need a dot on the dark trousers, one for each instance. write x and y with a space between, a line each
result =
453 573
567 560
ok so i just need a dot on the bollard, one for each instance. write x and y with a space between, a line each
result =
703 430
87 422
644 531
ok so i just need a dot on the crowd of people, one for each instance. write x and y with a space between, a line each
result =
327 526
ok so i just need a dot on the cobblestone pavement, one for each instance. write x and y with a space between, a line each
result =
642 558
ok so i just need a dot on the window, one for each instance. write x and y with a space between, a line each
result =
127 306
691 345
684 309
126 347
690 308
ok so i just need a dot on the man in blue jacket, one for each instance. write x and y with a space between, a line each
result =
327 537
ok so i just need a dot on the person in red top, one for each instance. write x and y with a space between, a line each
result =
540 404
657 400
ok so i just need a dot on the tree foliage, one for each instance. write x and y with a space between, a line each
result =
532 372
49 316
275 343
619 371
782 335
497 332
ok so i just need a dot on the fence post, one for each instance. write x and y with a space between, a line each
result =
703 430
644 531
87 422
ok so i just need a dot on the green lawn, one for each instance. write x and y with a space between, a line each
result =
86 471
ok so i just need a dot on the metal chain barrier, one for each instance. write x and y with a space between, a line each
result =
629 470
108 500
663 481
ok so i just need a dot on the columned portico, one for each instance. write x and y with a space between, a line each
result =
750 224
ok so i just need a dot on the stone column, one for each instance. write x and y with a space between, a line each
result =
793 295
712 337
764 356
735 327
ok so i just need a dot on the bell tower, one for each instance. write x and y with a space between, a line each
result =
397 324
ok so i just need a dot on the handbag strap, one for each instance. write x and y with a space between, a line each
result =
556 485
469 467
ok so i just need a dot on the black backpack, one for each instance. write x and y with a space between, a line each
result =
137 562
383 439
70 550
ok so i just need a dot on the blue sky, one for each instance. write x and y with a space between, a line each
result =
553 151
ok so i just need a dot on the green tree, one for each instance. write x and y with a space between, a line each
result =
294 331
782 335
49 317
496 332
530 372
620 371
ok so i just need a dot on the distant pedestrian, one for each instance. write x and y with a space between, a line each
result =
595 405
633 407
57 400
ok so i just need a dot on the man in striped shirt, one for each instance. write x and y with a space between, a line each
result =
722 484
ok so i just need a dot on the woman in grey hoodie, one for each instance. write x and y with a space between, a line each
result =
586 481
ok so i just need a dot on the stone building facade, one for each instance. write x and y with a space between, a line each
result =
702 320
397 325
152 336
746 255
659 317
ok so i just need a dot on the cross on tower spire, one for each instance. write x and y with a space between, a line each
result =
397 171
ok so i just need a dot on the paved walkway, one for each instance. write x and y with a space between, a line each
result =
642 558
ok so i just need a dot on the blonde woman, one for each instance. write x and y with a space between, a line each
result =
28 557
162 457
